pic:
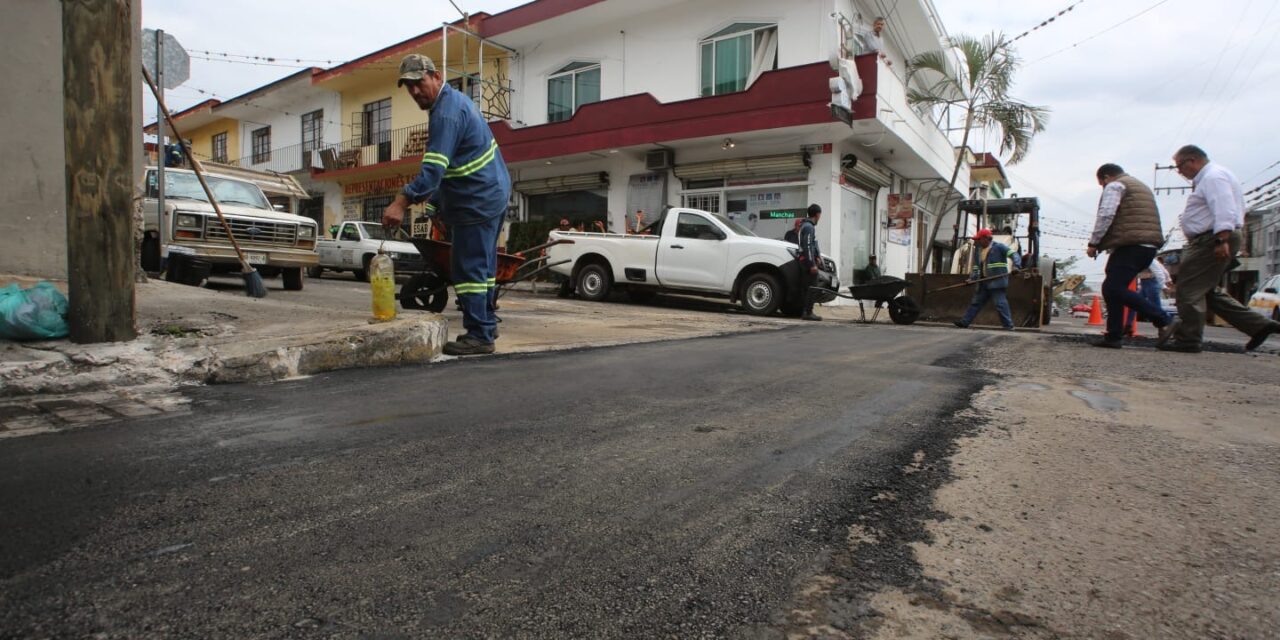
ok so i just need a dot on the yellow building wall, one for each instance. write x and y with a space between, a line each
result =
202 138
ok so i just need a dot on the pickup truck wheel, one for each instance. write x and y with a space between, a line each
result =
363 274
593 282
292 278
761 294
315 272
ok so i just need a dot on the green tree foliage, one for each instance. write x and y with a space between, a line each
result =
978 84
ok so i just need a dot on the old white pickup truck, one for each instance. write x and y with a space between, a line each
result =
689 251
195 242
354 244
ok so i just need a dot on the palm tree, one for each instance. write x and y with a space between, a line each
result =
979 85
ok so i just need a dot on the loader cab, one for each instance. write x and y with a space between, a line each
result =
1015 223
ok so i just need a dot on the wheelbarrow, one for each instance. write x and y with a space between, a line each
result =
429 290
884 291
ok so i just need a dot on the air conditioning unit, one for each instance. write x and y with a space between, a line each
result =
659 159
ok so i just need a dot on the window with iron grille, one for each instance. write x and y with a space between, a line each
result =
220 147
261 145
373 208
312 128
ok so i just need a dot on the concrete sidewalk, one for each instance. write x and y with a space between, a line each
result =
190 335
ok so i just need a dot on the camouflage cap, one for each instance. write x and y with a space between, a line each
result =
414 67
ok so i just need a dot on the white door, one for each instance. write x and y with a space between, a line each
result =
695 256
855 232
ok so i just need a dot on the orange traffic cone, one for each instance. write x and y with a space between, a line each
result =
1095 314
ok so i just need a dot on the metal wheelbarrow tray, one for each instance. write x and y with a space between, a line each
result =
884 291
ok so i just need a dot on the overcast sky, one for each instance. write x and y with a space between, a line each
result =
1184 71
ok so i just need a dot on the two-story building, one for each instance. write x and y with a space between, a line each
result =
280 127
612 111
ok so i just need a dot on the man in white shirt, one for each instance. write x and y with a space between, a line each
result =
1211 223
871 39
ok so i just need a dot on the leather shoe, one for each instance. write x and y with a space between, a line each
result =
960 324
1261 336
812 317
1181 347
467 346
1166 332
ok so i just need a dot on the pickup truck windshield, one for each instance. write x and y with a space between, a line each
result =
733 226
185 185
375 231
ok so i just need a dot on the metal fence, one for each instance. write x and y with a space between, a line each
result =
363 151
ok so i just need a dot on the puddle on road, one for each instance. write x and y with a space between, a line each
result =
1100 401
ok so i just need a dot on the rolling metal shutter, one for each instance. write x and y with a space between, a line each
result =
786 164
560 184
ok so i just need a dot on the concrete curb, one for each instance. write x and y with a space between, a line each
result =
398 342
151 361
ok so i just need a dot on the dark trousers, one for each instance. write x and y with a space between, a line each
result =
807 281
1122 267
474 262
1199 272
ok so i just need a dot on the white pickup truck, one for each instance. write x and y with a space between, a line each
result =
689 252
195 241
354 244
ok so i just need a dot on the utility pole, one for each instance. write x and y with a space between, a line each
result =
160 148
1155 179
98 91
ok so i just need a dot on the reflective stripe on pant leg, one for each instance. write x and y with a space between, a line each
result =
473 258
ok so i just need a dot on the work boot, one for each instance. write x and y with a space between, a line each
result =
467 346
1107 343
1181 347
1166 332
1260 337
811 316
961 324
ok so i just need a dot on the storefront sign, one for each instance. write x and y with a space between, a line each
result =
379 185
782 214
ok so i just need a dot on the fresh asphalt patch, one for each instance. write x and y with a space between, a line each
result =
882 514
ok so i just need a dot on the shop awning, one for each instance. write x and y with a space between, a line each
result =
559 184
786 164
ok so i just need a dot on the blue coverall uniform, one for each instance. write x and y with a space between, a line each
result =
466 180
999 256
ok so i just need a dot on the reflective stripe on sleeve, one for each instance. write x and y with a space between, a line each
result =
475 165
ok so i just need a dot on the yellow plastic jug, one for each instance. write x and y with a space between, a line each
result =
382 280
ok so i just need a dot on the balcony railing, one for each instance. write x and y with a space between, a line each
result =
283 160
388 146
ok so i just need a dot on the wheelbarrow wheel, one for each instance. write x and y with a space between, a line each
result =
425 292
903 310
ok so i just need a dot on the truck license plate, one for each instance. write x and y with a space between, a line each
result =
255 258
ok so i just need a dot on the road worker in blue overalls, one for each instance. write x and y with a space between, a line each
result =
465 178
991 267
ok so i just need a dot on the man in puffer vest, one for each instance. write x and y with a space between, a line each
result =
1128 226
992 260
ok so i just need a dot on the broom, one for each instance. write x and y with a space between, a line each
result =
253 285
